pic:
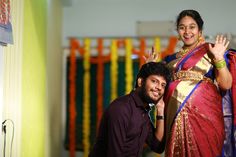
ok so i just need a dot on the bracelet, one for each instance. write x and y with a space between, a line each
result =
220 64
159 117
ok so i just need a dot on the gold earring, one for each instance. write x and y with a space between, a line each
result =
200 39
179 38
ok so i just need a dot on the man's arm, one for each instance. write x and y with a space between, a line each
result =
159 132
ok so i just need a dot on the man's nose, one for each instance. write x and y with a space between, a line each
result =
158 86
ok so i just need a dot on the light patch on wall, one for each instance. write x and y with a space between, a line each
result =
155 28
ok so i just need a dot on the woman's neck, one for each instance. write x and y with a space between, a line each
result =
190 47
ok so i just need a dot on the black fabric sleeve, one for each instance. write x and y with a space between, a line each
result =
155 145
118 120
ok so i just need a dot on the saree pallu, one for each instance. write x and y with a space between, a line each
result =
229 109
194 117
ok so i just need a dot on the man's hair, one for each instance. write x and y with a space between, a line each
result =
153 68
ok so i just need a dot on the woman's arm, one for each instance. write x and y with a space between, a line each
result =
223 76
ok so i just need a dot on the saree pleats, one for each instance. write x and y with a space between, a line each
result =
198 128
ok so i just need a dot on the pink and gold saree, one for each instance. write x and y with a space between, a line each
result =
194 115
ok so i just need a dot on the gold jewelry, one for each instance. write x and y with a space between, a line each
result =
190 75
200 39
179 38
183 52
220 64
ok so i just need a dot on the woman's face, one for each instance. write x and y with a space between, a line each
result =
188 31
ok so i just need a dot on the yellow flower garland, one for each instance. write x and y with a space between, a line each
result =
128 66
157 46
114 69
86 103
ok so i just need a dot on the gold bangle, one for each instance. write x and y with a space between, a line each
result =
220 64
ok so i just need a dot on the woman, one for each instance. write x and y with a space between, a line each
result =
194 117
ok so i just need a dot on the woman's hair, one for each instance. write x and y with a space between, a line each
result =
153 68
191 13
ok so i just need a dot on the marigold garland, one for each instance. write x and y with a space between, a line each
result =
72 100
171 47
114 69
128 66
113 57
100 79
86 103
157 47
142 52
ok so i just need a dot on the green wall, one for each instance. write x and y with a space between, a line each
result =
34 79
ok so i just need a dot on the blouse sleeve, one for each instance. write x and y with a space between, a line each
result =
169 58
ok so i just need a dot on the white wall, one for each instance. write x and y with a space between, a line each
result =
1 97
54 79
118 17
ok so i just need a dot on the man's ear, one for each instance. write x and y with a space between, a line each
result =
140 81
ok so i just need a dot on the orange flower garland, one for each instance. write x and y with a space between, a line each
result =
72 102
142 52
100 78
113 58
171 47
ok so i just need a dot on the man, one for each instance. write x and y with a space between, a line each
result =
126 125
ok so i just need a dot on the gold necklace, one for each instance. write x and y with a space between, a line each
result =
184 51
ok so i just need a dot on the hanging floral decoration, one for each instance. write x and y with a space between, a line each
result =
72 102
86 102
128 66
157 47
114 69
100 60
170 48
100 78
142 51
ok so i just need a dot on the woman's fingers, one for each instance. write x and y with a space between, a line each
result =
152 56
227 44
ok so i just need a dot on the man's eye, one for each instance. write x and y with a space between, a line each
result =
154 81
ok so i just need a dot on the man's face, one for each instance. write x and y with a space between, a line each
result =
152 88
